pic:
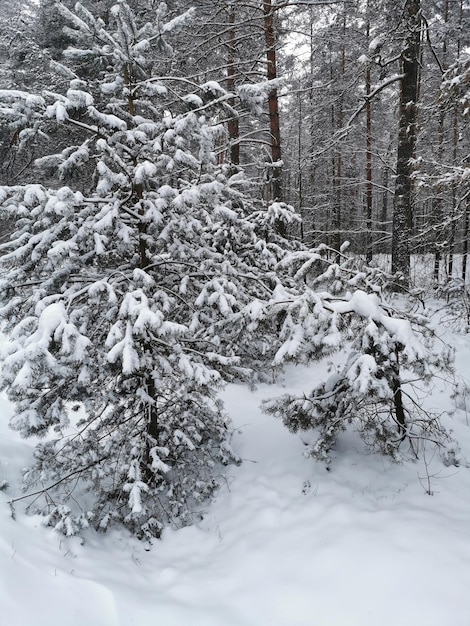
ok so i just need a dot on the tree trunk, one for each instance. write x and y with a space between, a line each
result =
407 131
455 148
273 102
232 124
338 159
299 168
312 222
437 201
369 241
384 212
465 239
453 223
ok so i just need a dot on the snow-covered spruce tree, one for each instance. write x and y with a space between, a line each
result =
127 307
391 357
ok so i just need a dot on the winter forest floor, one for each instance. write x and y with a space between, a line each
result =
287 542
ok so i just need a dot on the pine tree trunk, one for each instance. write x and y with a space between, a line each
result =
407 133
437 200
437 213
465 239
232 124
399 407
384 211
299 168
453 225
455 142
338 160
369 242
312 222
273 102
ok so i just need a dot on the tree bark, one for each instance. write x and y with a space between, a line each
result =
273 102
439 235
232 124
465 239
338 158
407 133
299 168
453 225
369 242
437 200
455 142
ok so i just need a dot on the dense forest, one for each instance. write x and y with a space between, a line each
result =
335 134
197 195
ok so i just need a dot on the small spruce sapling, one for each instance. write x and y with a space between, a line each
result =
391 354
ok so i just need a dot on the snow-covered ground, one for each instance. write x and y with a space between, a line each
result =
286 542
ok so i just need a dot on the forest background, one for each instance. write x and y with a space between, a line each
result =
326 140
